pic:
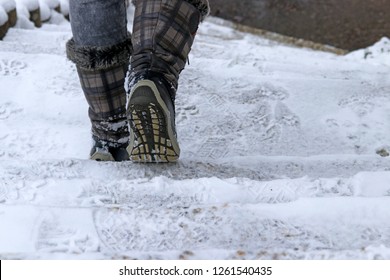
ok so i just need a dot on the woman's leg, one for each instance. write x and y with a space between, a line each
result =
163 34
101 48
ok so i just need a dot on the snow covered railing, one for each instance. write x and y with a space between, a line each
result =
46 6
7 16
29 9
29 12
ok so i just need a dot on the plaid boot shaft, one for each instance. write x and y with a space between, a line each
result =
105 94
163 33
102 72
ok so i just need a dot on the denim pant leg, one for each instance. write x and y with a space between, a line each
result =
98 23
100 48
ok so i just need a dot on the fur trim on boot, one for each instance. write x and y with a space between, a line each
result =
99 58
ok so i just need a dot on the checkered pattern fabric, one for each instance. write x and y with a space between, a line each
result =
202 5
106 96
163 33
102 72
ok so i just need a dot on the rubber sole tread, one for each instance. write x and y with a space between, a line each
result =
151 143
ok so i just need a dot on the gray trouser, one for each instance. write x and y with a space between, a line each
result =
98 23
101 49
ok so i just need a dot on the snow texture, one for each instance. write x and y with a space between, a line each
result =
45 10
8 5
46 7
3 16
378 53
285 155
30 5
23 14
52 4
64 7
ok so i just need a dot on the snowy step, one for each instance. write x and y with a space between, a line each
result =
36 41
280 157
94 188
257 168
303 226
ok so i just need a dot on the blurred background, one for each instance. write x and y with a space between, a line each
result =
345 24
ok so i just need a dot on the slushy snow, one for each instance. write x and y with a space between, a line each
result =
284 156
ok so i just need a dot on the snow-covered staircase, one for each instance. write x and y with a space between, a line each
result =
283 156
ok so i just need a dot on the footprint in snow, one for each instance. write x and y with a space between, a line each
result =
52 237
11 67
285 116
8 109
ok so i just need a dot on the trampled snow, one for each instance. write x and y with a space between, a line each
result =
284 156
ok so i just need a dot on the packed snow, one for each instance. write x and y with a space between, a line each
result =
8 5
64 4
3 16
31 5
285 155
52 4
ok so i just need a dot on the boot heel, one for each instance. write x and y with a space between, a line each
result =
152 129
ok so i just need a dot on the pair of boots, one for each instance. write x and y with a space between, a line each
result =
139 123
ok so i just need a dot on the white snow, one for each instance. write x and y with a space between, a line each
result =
24 15
45 10
378 53
8 5
51 3
3 16
64 7
31 5
280 156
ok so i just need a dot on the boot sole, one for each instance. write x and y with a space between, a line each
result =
102 156
151 133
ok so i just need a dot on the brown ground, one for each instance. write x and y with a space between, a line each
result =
346 24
